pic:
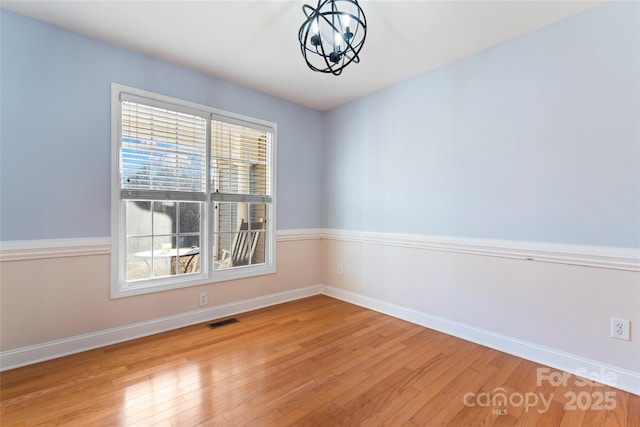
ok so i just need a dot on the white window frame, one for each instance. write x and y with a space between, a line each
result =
119 286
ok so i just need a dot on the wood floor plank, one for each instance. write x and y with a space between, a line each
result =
633 410
571 417
315 361
477 412
450 398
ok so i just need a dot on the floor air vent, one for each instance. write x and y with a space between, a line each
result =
222 323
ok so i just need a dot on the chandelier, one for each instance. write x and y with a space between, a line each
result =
332 35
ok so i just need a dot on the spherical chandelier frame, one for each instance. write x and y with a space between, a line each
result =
332 35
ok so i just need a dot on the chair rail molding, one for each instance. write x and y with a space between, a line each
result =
291 235
582 255
20 250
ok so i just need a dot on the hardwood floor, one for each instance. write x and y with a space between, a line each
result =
315 362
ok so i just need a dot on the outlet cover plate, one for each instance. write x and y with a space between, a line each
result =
620 329
203 299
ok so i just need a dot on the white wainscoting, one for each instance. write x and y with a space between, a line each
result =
624 379
575 255
549 303
54 349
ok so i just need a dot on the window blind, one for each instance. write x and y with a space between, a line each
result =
239 163
163 153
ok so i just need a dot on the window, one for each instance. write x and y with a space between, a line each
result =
192 194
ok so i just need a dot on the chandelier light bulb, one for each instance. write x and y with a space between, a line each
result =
337 41
346 21
316 38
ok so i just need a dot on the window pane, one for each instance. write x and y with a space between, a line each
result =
168 250
164 255
189 242
239 236
138 265
164 217
190 217
138 215
226 179
189 254
226 223
258 214
227 217
258 253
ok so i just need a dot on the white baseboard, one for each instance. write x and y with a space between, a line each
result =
51 350
622 378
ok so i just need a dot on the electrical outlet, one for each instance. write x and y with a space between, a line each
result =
203 299
339 269
620 329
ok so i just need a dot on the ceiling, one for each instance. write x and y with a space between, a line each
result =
255 44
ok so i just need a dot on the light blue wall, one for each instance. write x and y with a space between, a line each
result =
536 139
55 133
